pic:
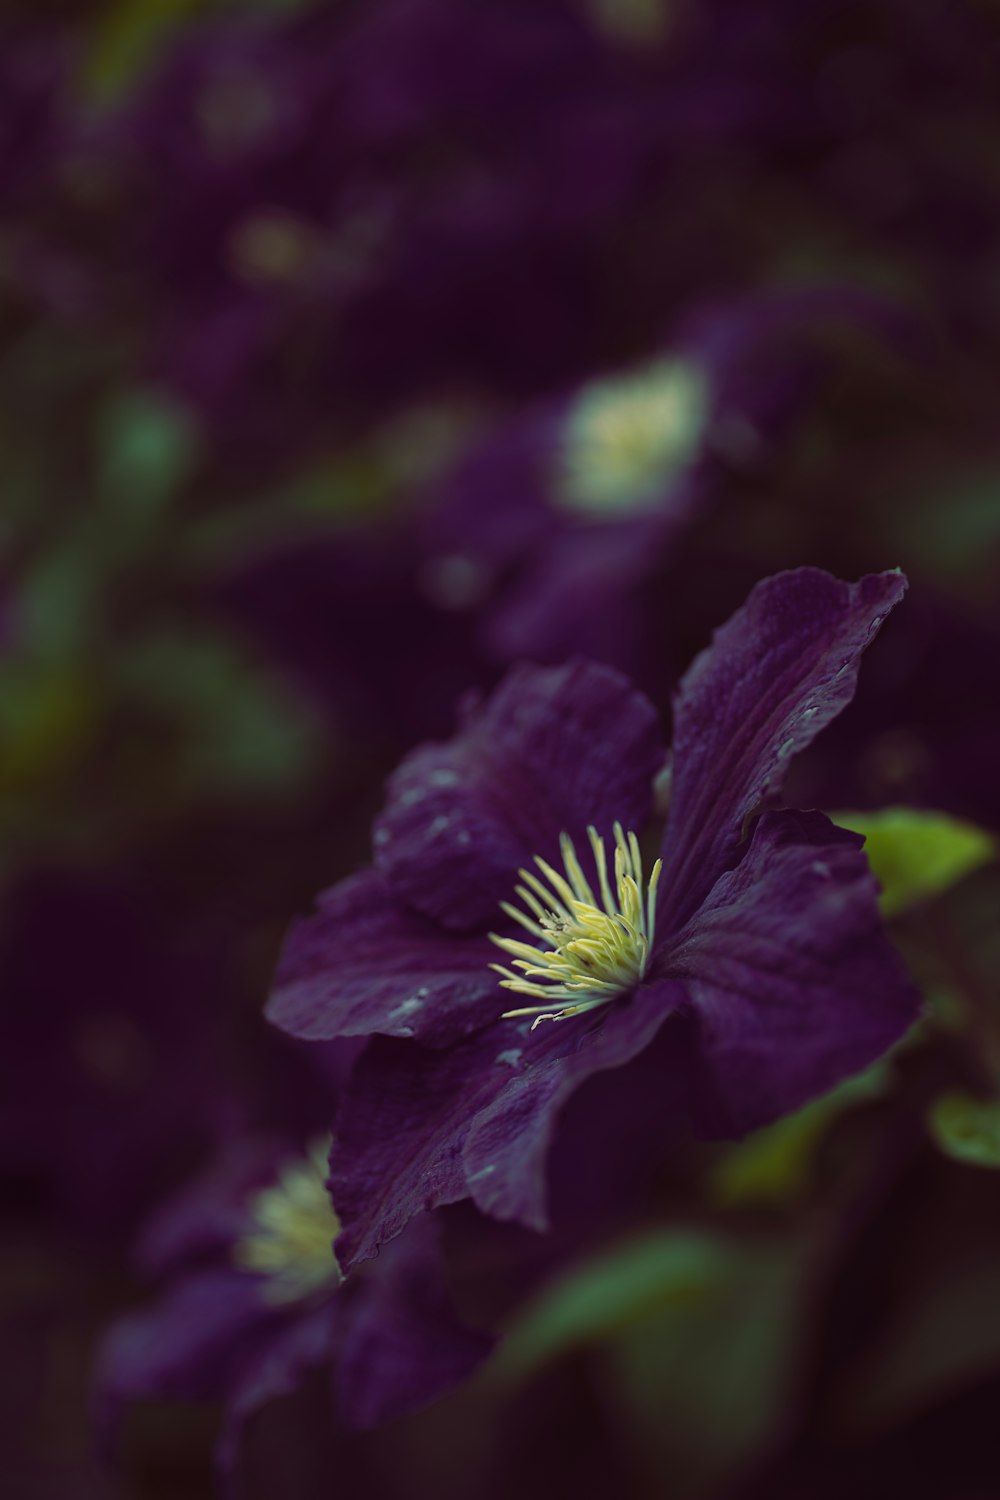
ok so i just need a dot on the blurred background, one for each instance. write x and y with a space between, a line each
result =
351 351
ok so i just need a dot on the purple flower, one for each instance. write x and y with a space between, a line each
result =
254 1299
556 528
758 940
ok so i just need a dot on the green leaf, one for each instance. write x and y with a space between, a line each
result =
47 714
776 1163
703 1385
57 604
232 727
949 534
129 36
126 39
669 1269
967 1128
148 448
916 854
689 1332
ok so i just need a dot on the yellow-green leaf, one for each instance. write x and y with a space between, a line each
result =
127 39
776 1163
967 1128
917 854
691 1331
624 1286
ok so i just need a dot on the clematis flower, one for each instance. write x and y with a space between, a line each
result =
755 946
254 1300
552 533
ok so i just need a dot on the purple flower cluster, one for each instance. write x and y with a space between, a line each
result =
438 436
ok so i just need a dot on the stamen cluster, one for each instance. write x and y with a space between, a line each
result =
628 435
294 1225
592 950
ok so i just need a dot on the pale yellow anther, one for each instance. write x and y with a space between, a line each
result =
586 956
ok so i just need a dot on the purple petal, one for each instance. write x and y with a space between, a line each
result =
207 1216
277 1370
552 750
191 1344
793 982
366 964
775 674
420 1129
405 1344
589 591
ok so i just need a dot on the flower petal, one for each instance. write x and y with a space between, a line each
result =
204 1218
420 1129
191 1344
590 590
278 1369
552 750
404 1343
793 982
366 964
775 674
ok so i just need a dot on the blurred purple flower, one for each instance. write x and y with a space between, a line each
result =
340 212
253 1300
762 944
551 536
553 532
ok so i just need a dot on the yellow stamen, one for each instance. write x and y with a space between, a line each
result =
589 956
294 1226
629 435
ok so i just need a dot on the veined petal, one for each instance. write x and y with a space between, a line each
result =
775 674
791 978
403 1342
552 750
419 1129
364 963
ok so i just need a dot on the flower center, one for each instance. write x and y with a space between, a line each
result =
293 1228
589 950
627 436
